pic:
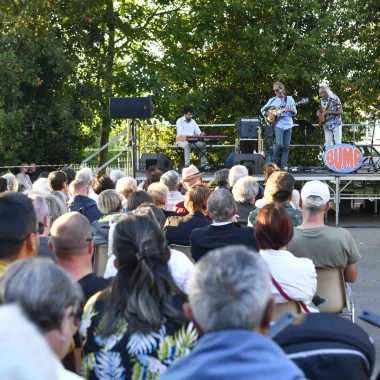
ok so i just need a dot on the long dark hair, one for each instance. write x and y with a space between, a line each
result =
143 289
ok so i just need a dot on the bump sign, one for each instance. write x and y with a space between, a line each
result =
343 158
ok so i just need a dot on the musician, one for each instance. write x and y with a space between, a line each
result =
284 125
331 106
186 126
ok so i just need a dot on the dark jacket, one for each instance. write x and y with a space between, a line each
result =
178 228
203 240
44 250
243 210
87 205
101 228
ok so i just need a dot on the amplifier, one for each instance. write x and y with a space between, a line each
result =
248 127
257 159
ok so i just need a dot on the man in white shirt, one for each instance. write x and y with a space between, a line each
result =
171 180
186 126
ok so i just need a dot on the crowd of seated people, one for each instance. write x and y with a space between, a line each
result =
154 313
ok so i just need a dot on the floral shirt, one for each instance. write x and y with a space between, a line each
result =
130 356
333 121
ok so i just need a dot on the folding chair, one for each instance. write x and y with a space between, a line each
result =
332 285
281 309
100 260
184 249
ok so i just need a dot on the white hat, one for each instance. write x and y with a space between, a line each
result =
190 173
317 189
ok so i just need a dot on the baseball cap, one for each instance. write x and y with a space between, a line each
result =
316 189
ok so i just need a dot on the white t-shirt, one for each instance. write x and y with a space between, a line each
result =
185 128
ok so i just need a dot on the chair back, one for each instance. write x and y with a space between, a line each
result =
100 260
184 249
331 285
281 309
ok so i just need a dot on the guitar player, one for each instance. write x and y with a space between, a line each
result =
284 123
330 115
186 126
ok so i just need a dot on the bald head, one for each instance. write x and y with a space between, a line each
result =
70 234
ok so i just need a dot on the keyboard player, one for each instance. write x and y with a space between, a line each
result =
186 126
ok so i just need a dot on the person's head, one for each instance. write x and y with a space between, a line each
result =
24 167
48 297
270 168
296 198
42 213
56 207
230 289
71 238
159 192
109 201
188 112
196 198
221 178
191 177
3 185
142 290
279 89
245 190
171 180
57 181
273 228
79 187
126 186
137 198
32 167
237 172
315 198
103 183
152 177
44 175
86 175
250 167
70 174
279 187
41 187
19 236
116 174
158 212
12 182
24 352
325 92
221 206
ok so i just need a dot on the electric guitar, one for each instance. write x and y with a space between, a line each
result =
323 113
274 114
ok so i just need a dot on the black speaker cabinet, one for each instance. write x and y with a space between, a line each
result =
131 108
248 127
258 161
161 161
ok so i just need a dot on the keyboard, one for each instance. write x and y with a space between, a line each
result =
206 138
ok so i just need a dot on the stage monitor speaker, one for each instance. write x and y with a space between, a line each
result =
131 108
248 146
161 161
258 161
248 127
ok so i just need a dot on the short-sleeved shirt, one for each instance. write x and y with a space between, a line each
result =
332 121
187 128
327 247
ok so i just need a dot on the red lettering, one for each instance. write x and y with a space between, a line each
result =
338 158
330 158
357 157
347 157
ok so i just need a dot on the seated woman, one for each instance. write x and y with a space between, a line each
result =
245 192
178 228
110 205
136 328
296 276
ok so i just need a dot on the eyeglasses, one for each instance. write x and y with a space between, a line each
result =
277 90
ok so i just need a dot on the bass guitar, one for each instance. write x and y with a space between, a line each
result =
274 114
323 113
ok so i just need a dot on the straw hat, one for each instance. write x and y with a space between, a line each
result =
190 173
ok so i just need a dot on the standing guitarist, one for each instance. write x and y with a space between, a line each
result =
283 122
330 115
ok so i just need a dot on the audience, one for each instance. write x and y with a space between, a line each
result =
3 185
82 202
87 176
326 247
296 199
127 324
22 178
33 173
41 186
116 175
221 179
224 231
18 229
236 172
12 182
160 193
110 205
152 177
279 188
56 207
171 180
57 182
49 298
103 183
72 243
70 174
137 198
269 169
125 187
43 219
178 228
245 192
230 303
296 277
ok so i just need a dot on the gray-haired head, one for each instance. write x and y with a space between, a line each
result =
43 290
245 189
12 182
221 177
171 180
109 201
237 172
56 207
116 174
85 175
126 186
40 207
327 90
40 186
221 205
230 288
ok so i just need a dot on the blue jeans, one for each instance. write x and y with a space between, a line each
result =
282 141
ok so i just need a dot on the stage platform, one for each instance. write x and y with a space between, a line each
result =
354 187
